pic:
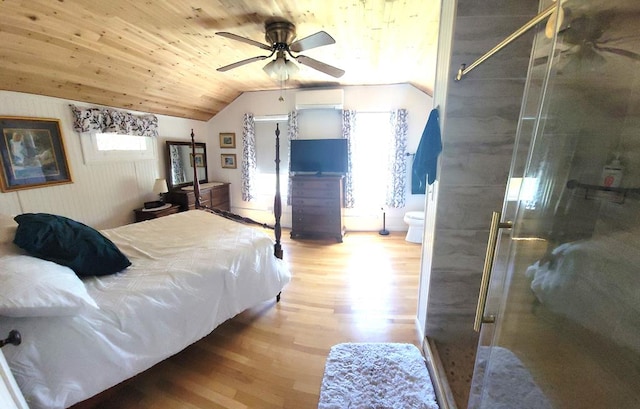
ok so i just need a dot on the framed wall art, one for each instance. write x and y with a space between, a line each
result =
32 153
227 140
228 160
199 160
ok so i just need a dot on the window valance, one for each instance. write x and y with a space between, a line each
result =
110 120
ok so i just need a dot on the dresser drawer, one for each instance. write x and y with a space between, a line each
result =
297 201
316 210
220 199
297 191
315 183
316 220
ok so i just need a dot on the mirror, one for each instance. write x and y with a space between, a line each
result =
180 162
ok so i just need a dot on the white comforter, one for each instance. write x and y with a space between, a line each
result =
595 283
191 271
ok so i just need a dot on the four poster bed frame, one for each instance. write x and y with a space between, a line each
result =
277 201
179 287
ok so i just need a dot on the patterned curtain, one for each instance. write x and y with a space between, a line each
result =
397 171
249 163
292 133
348 129
109 120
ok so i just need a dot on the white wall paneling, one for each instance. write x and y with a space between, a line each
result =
101 195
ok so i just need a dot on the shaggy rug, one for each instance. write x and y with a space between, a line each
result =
376 376
508 385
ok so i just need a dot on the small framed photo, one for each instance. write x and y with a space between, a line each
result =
31 153
199 160
227 140
228 160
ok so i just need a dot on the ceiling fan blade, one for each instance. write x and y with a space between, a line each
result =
241 63
320 66
314 40
243 39
621 52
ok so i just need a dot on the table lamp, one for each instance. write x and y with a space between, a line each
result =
160 188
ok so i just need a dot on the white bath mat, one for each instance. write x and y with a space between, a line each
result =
376 376
508 385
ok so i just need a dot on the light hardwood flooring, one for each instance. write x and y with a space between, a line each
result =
273 355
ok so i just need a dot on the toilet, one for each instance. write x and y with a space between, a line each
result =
415 220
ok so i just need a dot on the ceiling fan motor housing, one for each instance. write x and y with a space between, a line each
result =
280 34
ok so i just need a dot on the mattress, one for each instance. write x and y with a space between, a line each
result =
190 272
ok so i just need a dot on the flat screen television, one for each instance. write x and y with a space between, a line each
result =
319 156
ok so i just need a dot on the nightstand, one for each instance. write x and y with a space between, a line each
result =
144 214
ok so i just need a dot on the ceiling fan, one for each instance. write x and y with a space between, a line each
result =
280 35
588 37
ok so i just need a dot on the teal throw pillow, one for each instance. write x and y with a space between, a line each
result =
68 243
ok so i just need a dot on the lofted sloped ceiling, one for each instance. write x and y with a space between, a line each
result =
161 56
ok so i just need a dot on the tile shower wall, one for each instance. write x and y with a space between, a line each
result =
481 119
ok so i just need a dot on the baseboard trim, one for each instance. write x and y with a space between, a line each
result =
438 375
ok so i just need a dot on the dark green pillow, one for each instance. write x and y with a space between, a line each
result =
69 243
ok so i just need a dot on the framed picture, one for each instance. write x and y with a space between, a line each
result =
227 140
32 153
199 160
228 160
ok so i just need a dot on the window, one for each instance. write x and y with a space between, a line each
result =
110 147
372 145
116 142
523 189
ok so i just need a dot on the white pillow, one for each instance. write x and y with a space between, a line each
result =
8 228
32 287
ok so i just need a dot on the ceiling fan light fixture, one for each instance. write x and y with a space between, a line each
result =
292 68
281 69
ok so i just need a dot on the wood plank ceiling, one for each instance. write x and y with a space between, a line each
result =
161 56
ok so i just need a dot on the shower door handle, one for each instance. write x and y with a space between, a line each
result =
496 225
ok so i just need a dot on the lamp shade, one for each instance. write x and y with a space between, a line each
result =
281 68
160 186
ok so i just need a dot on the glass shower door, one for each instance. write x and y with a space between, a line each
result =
562 317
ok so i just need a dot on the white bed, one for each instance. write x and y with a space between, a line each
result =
190 272
595 283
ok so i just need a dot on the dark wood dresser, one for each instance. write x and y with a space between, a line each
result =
216 196
316 206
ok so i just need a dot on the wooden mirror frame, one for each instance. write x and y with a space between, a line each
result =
188 170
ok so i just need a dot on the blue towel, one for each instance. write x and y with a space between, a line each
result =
426 159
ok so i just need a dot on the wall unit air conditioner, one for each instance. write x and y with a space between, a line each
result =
320 99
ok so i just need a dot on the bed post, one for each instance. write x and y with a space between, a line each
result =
196 182
277 203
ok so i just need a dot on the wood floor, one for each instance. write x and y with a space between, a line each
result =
273 355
